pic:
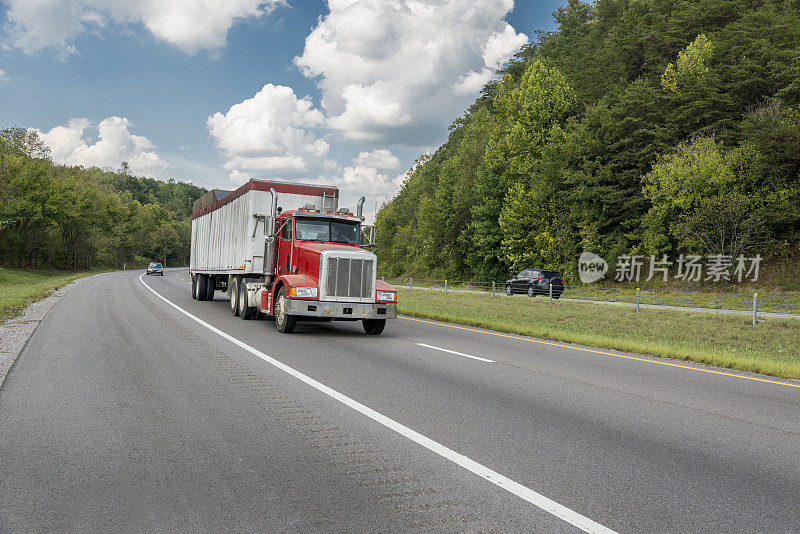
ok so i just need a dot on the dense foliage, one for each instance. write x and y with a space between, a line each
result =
638 126
54 216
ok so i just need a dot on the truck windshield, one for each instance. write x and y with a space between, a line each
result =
322 230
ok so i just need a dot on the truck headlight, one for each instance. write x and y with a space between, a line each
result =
388 296
303 292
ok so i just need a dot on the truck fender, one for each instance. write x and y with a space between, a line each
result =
288 281
380 285
295 280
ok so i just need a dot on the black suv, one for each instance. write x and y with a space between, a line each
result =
536 282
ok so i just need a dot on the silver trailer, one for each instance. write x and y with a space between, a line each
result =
231 230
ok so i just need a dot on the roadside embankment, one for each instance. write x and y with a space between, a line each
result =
25 298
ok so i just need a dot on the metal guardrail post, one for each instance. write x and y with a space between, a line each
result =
550 298
755 308
492 288
637 299
411 285
445 288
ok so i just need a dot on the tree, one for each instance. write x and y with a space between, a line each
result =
692 65
527 115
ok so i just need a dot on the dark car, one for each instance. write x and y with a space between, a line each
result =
536 282
155 268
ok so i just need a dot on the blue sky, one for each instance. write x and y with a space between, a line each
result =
345 92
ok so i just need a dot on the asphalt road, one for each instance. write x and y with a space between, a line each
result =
124 414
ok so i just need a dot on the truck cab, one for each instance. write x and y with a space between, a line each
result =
323 272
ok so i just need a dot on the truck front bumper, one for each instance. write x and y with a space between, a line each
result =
341 310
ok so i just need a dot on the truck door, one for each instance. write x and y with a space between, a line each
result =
284 246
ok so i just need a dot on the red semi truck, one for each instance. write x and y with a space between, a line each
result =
287 251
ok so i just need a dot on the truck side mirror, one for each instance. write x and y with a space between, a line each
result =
368 235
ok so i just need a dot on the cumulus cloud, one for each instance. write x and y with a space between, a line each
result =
380 159
364 174
273 134
3 76
190 25
357 181
114 144
395 70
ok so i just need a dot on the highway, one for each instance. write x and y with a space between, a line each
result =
138 409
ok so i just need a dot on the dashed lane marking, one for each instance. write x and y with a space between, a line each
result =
456 353
562 346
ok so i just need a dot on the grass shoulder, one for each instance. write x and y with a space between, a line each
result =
20 287
772 347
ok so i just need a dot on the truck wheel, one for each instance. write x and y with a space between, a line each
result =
531 291
508 290
234 296
374 326
245 312
201 286
211 286
283 320
194 287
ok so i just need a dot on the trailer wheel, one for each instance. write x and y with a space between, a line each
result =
201 286
283 320
234 290
211 286
194 287
374 327
245 312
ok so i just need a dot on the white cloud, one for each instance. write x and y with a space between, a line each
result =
3 76
377 187
114 145
380 159
396 70
364 176
190 25
271 135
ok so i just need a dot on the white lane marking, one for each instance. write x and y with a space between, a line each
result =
456 353
548 505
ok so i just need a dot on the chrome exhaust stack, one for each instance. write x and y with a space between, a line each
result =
360 208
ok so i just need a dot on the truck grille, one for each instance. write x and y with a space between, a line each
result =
349 277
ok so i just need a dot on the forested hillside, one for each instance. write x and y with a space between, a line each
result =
54 216
638 126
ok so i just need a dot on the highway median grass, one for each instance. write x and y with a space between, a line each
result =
772 347
19 287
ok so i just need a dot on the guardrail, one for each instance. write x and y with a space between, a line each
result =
754 303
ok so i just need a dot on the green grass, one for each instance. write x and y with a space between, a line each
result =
19 288
772 347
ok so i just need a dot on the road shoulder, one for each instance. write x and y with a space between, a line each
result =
15 333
